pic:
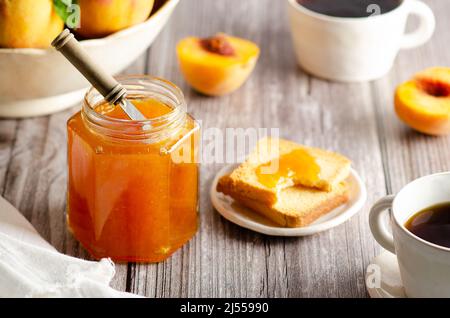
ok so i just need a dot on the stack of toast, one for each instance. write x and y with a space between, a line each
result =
298 197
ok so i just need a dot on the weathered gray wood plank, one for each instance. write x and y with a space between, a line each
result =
8 131
224 260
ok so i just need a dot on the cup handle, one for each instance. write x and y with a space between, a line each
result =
426 26
377 223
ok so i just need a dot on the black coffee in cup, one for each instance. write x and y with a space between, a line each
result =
350 8
432 224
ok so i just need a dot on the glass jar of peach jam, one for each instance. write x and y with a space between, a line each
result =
133 185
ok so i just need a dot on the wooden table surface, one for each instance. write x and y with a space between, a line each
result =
224 260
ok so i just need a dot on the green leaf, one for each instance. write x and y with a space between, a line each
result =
68 11
61 9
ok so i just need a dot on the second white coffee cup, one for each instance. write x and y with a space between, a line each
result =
356 49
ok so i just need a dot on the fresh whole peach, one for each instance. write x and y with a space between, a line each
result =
423 103
217 65
103 17
26 23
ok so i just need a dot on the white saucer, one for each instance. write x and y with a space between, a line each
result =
242 216
384 270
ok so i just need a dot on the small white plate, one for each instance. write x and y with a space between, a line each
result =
383 277
242 216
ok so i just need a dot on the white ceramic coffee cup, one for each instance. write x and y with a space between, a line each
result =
424 266
356 49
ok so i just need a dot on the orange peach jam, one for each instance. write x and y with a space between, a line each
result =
297 164
133 188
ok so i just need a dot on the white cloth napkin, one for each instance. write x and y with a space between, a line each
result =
31 267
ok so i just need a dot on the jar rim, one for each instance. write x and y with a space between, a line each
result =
171 86
148 128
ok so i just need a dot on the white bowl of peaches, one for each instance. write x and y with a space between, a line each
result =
36 80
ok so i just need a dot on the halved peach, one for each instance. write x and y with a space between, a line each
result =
423 103
218 65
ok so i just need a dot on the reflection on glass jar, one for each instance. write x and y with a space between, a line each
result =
133 185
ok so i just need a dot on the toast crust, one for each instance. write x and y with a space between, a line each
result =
288 213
